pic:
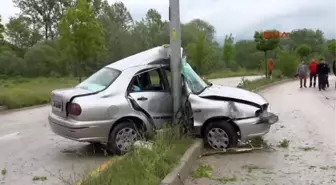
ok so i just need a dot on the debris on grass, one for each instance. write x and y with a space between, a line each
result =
284 143
251 167
307 148
203 171
41 178
4 171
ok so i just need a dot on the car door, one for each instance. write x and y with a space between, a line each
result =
153 95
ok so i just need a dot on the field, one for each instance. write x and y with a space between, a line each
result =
24 92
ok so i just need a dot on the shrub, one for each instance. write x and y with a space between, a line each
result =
287 63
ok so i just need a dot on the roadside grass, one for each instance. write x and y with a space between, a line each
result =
284 143
144 166
227 73
24 92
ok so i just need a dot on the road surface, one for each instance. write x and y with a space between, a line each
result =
28 148
308 121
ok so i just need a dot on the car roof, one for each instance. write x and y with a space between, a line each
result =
156 55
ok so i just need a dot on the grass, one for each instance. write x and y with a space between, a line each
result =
41 178
3 171
307 148
144 166
24 92
284 143
203 171
227 73
258 142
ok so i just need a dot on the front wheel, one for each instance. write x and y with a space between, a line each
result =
220 135
122 138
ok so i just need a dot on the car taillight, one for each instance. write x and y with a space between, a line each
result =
74 109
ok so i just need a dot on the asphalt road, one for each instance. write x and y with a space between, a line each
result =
28 148
308 121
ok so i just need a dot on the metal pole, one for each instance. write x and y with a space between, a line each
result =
175 58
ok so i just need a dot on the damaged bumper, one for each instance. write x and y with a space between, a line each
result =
268 118
257 126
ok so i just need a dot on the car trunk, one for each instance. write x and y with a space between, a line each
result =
61 97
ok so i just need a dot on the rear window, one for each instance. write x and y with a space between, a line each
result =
100 80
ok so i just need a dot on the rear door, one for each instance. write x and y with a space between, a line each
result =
150 91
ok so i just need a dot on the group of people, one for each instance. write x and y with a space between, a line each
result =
319 70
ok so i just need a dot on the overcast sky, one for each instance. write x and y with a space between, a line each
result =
239 17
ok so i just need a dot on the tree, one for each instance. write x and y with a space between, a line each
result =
81 35
2 30
229 52
44 12
303 51
18 32
266 44
199 53
332 48
287 63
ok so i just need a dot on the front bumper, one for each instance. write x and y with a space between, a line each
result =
257 126
93 131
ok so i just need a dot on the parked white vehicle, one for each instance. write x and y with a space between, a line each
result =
134 94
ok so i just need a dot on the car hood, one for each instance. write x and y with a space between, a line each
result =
233 94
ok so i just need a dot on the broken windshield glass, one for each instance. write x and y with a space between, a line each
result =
195 82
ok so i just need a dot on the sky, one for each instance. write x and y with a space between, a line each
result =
239 17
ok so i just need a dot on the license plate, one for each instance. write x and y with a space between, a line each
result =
57 105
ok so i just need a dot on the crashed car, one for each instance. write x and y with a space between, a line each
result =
134 94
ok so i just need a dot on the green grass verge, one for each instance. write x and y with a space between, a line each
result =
24 92
252 85
227 74
143 166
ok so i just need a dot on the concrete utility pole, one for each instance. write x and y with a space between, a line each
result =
175 58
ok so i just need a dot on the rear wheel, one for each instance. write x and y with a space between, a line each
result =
220 135
122 137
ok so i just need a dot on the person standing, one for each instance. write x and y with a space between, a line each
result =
270 66
327 77
334 69
322 72
312 70
302 72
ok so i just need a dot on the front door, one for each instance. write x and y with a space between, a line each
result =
151 92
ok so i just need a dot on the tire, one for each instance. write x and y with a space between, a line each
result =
224 130
118 134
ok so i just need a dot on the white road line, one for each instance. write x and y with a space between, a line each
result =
8 136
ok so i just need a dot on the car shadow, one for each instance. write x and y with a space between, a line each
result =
88 150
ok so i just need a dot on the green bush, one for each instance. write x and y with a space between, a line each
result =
287 63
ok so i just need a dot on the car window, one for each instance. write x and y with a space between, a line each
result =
168 73
100 80
148 81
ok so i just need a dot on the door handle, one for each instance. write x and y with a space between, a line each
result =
142 98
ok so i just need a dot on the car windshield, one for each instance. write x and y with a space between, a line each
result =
195 82
100 80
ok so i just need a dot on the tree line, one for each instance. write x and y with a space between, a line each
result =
77 37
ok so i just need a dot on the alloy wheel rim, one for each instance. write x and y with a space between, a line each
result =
218 139
125 139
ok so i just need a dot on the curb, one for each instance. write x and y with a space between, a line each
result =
273 84
179 173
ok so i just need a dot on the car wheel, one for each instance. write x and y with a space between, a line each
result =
220 135
122 138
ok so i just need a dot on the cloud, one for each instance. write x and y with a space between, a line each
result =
239 17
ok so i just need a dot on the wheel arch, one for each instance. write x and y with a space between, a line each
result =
220 118
139 123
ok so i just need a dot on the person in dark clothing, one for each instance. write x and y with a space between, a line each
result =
327 78
322 72
334 69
